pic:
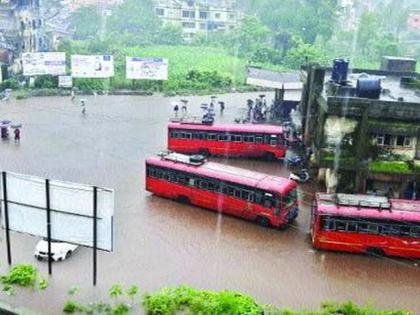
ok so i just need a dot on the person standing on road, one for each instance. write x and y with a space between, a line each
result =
176 109
73 96
83 105
17 135
222 107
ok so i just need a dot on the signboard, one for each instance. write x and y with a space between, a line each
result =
65 81
71 208
147 68
53 63
92 66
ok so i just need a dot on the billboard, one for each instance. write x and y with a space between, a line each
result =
53 63
65 81
71 210
92 66
147 68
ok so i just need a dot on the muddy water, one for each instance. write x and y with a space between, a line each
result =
162 243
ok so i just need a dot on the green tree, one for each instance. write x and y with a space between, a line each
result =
135 20
170 35
85 22
302 53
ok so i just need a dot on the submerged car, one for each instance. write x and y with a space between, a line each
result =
59 250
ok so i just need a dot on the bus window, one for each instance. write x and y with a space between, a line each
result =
373 228
191 182
273 140
327 224
351 227
249 139
340 225
415 231
202 136
259 139
268 201
188 135
267 139
237 138
211 136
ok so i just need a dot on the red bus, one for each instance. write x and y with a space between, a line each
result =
366 224
246 140
268 200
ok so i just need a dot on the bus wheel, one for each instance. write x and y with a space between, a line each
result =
270 156
204 152
184 199
375 251
263 221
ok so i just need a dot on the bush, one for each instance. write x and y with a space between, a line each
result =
46 82
9 84
88 85
23 275
191 301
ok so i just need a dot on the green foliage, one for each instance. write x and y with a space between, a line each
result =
190 301
9 84
303 53
71 307
90 84
136 21
46 82
23 275
395 167
170 35
115 291
85 22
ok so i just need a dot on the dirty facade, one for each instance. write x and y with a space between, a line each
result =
365 143
21 30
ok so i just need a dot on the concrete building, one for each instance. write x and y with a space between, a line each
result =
199 16
21 30
365 137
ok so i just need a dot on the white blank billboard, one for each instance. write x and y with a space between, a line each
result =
92 66
53 63
71 210
147 68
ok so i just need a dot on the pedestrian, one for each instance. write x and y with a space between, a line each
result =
222 107
73 96
17 135
176 109
83 105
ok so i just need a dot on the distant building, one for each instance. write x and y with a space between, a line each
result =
365 136
199 16
21 30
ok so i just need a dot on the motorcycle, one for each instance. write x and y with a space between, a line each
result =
296 161
301 176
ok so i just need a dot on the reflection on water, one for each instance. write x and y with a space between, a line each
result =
159 242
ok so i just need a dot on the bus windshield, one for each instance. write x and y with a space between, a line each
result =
290 198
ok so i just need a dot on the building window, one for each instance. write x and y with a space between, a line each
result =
188 14
203 26
188 25
407 141
217 15
232 16
160 11
203 15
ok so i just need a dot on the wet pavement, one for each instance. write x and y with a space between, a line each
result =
161 243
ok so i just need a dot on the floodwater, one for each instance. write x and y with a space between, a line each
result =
161 243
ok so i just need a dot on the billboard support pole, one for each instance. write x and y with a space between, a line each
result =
6 218
47 198
95 232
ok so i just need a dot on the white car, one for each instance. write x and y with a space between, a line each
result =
59 250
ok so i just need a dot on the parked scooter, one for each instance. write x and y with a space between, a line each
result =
301 176
296 161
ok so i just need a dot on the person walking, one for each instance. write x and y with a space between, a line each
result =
73 95
17 135
222 107
83 105
176 109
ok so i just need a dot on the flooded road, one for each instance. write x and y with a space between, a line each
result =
161 243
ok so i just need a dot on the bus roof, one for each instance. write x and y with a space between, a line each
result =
397 209
230 174
254 128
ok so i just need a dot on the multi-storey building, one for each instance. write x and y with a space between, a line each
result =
199 16
21 30
364 131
